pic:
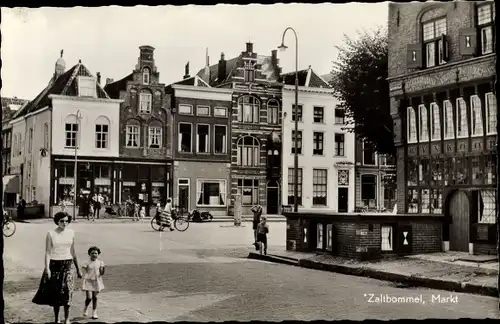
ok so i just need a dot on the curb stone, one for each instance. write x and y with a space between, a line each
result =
409 280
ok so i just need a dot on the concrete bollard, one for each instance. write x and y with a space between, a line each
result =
237 210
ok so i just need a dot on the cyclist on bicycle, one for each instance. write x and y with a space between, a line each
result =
167 216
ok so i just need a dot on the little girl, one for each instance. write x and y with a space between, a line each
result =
142 213
92 280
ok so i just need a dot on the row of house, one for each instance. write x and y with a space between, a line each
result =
228 130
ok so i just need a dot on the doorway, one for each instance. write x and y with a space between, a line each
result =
183 191
343 200
458 209
272 197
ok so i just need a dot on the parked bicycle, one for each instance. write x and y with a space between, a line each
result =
181 222
9 227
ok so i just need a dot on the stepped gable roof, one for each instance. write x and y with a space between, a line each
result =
113 89
65 84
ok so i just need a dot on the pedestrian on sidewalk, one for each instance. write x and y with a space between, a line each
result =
56 285
142 213
91 213
257 213
93 271
262 231
137 208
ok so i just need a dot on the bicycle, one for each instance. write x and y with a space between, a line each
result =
181 222
9 227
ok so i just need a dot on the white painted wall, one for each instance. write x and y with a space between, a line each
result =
307 161
65 108
16 159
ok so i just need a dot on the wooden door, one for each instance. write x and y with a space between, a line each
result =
459 228
343 200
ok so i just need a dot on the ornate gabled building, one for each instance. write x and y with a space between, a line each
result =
255 117
145 151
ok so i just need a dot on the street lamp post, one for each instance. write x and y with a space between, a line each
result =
77 139
282 47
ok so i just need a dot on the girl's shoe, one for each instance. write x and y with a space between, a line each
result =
85 312
94 314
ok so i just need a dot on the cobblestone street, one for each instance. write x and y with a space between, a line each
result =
202 275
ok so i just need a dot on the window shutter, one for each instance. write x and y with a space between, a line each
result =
468 41
445 48
414 56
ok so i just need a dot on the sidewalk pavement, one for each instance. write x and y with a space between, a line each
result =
410 271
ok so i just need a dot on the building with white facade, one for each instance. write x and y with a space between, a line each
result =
326 150
46 133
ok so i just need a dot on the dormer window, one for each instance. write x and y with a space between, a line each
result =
86 87
249 72
145 76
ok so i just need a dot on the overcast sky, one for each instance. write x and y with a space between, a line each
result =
106 39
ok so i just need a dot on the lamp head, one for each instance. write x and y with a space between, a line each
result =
282 47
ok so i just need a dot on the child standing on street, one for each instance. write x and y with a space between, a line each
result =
136 212
143 213
262 231
92 280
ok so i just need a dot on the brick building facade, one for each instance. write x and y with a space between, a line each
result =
442 94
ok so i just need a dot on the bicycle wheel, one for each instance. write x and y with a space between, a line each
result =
181 224
9 228
154 224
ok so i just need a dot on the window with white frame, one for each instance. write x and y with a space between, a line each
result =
339 144
220 139
434 46
486 206
485 25
185 109
202 138
449 126
248 189
86 87
203 110
272 111
291 186
210 193
320 184
155 137
491 113
185 137
462 126
435 122
319 114
249 72
220 112
318 138
387 238
411 125
248 109
339 115
248 153
369 190
145 102
71 131
101 136
299 142
297 113
46 136
424 129
132 136
476 116
145 75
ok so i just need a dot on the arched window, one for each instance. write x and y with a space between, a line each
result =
155 134
435 122
462 125
272 111
248 151
491 113
422 118
145 75
449 127
248 109
411 125
145 102
102 132
476 116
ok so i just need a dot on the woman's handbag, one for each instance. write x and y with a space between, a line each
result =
44 292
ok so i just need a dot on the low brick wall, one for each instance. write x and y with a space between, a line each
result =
359 236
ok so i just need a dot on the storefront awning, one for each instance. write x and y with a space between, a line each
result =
11 183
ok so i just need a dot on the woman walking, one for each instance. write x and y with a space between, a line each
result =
56 286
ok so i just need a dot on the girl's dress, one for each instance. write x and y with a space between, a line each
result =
92 279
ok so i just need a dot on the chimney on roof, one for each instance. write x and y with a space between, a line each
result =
186 71
109 80
98 77
249 47
80 61
221 73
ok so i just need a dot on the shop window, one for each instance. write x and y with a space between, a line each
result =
102 181
477 170
491 169
211 192
424 172
411 125
158 192
299 142
248 151
220 139
413 169
413 201
318 143
297 113
491 113
461 170
422 121
369 190
449 126
319 114
248 109
487 206
319 236
249 191
272 111
435 122
462 125
320 180
132 136
425 200
387 238
476 116
291 186
202 138
185 137
436 172
65 183
155 137
436 204
447 171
